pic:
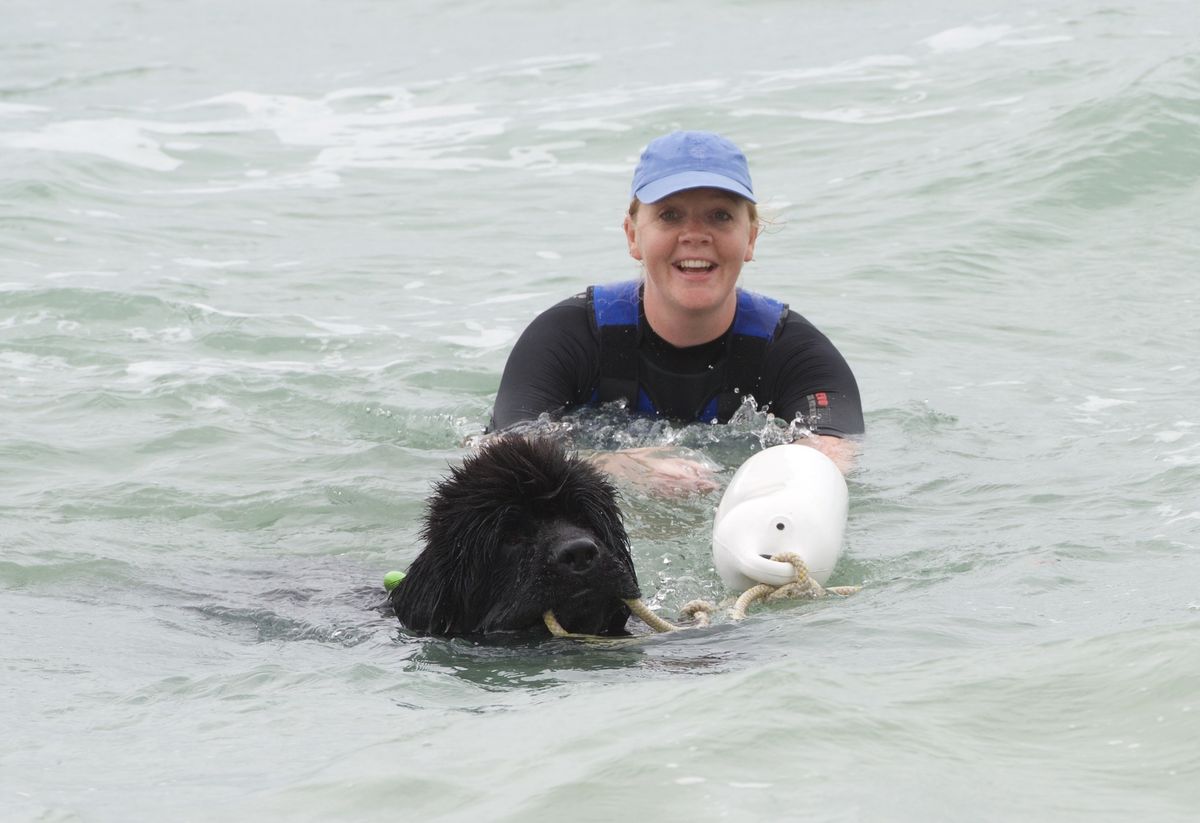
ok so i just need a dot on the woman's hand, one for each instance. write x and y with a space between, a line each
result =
841 451
661 470
676 472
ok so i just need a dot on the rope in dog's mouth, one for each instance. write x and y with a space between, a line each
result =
699 611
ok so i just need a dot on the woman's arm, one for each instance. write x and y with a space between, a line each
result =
551 366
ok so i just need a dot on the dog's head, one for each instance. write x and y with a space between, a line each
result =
518 529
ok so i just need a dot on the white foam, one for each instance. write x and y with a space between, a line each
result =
1095 404
62 275
201 263
345 329
511 297
1003 101
485 339
860 66
119 139
147 371
537 66
204 307
866 116
965 38
31 363
1189 455
1036 41
584 125
313 179
387 130
14 109
209 404
299 121
174 334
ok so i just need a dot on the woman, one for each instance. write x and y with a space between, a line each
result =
683 342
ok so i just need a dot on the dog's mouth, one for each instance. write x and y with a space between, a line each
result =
589 612
596 609
585 585
609 622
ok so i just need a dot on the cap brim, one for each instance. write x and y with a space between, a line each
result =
665 187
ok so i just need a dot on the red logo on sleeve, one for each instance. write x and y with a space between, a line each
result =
822 399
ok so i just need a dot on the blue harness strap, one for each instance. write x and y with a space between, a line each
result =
623 371
615 304
615 308
757 315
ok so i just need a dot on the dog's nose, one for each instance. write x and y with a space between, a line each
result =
576 555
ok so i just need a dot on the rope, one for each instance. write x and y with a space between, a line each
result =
635 605
553 625
650 618
801 586
700 611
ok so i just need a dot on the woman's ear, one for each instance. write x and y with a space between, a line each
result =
631 236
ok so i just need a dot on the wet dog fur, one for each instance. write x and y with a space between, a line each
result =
521 527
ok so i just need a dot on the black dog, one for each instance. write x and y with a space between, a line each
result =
519 529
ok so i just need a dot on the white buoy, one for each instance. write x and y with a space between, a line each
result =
788 498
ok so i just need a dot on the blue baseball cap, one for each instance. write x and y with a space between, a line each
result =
691 160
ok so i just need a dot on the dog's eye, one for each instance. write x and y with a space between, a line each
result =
780 525
510 550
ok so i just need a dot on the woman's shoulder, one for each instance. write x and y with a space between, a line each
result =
568 318
795 326
570 309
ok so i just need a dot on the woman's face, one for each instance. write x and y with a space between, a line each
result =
693 245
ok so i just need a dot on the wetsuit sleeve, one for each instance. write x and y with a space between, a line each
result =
805 374
552 366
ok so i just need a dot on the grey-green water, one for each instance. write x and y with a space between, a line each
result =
260 267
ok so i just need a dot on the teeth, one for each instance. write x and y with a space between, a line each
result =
694 264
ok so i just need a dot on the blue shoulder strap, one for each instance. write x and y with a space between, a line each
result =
757 315
757 320
615 304
615 312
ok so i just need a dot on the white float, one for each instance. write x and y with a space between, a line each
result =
788 498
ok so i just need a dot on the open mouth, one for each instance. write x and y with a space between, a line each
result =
694 266
600 610
593 617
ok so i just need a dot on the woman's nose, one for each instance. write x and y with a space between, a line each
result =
695 230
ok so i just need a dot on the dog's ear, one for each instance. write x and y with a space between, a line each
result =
451 586
427 600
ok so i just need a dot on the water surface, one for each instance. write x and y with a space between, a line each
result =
260 268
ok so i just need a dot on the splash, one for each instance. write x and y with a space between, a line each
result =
610 427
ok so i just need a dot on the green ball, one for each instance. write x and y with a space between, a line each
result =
392 579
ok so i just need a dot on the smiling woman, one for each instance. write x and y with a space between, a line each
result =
692 246
683 342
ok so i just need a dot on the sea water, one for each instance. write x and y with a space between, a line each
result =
261 264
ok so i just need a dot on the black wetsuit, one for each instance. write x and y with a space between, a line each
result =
555 365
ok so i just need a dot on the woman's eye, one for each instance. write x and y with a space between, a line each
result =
722 216
668 215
